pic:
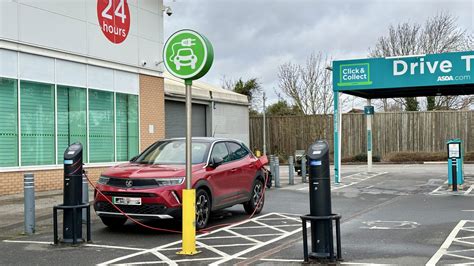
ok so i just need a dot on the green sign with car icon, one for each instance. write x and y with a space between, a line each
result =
188 55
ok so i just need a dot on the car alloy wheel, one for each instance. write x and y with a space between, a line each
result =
257 194
202 209
255 204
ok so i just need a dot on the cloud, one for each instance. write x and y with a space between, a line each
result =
252 38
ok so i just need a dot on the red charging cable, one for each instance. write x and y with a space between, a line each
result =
206 230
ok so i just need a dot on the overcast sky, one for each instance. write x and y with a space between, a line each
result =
251 38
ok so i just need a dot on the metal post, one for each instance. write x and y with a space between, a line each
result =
272 164
264 126
369 138
29 203
455 174
277 172
291 171
337 139
189 135
303 169
189 194
85 197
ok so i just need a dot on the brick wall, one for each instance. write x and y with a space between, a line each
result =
12 182
152 109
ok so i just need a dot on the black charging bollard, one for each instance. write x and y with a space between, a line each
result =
320 197
72 218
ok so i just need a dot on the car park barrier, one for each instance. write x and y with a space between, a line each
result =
29 203
291 171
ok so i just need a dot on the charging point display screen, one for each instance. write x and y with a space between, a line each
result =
454 150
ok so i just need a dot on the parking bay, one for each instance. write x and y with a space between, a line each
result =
387 218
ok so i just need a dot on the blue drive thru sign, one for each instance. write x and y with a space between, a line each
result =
405 71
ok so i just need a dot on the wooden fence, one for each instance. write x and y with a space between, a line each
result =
392 132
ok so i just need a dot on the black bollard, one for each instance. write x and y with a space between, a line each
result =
320 199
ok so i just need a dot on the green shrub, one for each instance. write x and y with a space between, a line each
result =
361 157
398 157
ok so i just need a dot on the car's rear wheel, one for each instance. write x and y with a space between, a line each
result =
255 204
203 208
113 222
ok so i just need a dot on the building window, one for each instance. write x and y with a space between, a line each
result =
126 107
9 122
113 123
71 119
37 123
101 126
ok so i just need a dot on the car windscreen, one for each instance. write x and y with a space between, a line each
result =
173 152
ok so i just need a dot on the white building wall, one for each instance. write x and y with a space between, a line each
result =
31 67
72 26
231 121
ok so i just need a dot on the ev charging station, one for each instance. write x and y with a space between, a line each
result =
321 216
72 199
455 163
396 77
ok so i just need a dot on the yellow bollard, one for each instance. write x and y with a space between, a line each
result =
189 223
257 153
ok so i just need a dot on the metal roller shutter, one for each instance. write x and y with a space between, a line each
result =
175 115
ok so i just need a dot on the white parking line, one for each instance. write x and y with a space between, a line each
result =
444 247
364 176
253 245
28 242
86 245
469 190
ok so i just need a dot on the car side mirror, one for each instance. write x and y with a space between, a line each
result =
215 162
133 158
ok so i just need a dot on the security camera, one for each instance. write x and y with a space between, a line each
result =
168 11
143 63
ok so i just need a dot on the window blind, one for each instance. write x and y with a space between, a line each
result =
9 122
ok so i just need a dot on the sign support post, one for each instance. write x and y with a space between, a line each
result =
369 112
188 55
264 126
189 194
337 139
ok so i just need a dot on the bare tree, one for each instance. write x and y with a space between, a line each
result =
308 86
438 34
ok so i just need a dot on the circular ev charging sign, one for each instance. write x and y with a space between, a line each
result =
188 55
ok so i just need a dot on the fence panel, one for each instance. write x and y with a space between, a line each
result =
392 132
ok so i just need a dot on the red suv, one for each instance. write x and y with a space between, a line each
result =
225 173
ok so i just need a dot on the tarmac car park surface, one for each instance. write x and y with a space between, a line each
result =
398 214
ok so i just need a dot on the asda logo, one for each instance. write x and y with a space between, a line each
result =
445 78
354 74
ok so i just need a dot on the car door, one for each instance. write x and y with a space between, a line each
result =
218 177
243 169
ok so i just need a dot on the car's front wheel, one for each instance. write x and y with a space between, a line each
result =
203 208
115 222
255 204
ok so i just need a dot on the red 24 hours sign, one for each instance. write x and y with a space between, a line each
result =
114 19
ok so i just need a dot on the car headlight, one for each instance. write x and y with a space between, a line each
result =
162 182
103 180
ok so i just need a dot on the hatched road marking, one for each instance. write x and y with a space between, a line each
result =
263 222
347 181
458 248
